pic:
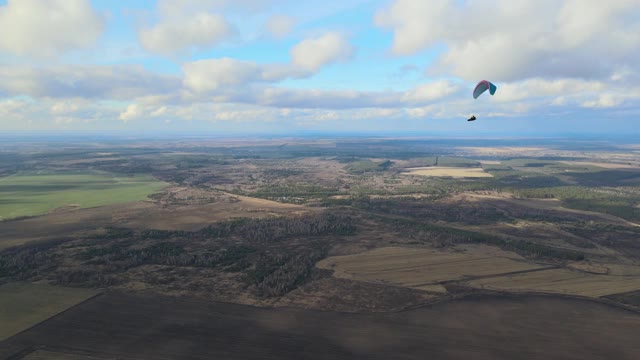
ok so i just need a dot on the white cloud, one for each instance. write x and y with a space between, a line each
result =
12 106
213 74
420 112
159 111
226 73
508 40
172 7
280 26
179 34
431 91
48 28
122 82
132 112
314 53
603 101
67 107
533 88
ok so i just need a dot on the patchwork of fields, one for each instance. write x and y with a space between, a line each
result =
428 269
423 269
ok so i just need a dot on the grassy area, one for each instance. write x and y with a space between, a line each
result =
24 304
29 194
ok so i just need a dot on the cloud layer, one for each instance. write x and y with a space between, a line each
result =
279 63
508 40
48 28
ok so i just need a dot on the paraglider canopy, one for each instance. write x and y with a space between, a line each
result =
482 87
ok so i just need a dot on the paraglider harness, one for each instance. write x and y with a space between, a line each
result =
472 118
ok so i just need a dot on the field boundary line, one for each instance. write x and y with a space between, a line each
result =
54 316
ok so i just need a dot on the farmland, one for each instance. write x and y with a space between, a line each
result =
23 305
158 327
562 281
361 229
424 268
29 194
442 171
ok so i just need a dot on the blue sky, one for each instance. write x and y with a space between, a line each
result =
283 66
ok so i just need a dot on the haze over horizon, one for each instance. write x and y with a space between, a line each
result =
294 67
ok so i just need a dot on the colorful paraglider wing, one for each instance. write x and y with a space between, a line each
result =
482 87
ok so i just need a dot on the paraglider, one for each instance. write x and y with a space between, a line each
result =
481 87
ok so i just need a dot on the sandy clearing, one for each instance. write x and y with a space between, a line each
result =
441 171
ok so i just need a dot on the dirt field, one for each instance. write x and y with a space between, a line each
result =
59 355
24 305
562 281
442 171
423 268
543 204
156 327
601 164
138 215
490 162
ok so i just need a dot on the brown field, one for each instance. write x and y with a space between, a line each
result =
141 215
504 150
23 305
601 164
442 171
157 327
423 268
542 204
490 162
59 355
562 281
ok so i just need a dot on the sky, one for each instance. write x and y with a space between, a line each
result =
331 66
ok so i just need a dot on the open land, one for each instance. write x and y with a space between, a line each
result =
32 194
157 327
449 172
425 243
23 305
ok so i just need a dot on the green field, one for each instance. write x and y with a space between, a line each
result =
29 194
23 305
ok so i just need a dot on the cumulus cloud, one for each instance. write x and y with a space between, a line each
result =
219 74
279 26
133 111
351 99
431 91
48 28
538 87
118 82
603 101
172 7
316 52
307 57
508 40
176 35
